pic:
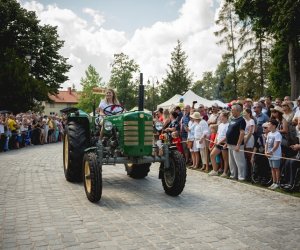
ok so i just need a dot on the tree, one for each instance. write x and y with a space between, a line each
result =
280 18
279 70
121 79
207 87
257 45
88 99
22 84
229 33
178 78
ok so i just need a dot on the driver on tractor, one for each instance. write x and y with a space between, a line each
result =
109 106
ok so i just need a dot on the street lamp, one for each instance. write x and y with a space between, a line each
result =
153 78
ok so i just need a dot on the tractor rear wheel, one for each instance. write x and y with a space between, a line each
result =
137 171
74 143
174 177
92 177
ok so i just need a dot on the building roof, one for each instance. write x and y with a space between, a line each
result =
65 96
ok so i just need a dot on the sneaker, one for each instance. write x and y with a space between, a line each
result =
270 187
213 173
275 186
224 175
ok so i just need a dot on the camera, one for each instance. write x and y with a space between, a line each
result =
194 101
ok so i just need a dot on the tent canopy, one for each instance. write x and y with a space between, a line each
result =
189 97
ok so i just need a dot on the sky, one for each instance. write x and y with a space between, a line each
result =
147 31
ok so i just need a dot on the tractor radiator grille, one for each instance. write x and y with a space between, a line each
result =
131 132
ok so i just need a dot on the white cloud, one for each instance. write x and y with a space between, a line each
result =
98 18
151 47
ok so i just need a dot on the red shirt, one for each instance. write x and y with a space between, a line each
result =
177 142
212 139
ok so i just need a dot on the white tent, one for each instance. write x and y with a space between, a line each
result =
189 97
172 102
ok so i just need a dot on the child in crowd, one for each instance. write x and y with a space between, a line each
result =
273 151
213 134
177 141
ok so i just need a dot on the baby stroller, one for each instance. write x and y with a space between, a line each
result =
261 171
290 175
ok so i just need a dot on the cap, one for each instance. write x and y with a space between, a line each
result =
215 105
248 100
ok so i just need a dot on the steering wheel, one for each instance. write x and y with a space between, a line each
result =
106 112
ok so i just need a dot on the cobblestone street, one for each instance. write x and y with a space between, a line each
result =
39 209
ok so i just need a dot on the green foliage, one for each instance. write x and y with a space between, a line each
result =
87 98
178 78
23 85
123 69
207 87
281 19
279 70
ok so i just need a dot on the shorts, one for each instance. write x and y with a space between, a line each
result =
194 148
274 163
220 147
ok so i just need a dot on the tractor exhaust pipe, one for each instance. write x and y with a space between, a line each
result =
141 94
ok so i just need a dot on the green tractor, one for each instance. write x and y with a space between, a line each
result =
126 138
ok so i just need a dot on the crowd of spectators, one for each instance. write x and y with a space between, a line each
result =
26 129
225 141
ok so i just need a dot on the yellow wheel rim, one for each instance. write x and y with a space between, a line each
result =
66 149
87 177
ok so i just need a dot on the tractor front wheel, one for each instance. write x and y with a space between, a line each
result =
174 177
137 171
92 177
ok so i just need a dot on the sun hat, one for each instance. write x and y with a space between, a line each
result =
196 116
248 100
278 109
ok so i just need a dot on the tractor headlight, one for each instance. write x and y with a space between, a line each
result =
158 126
108 125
